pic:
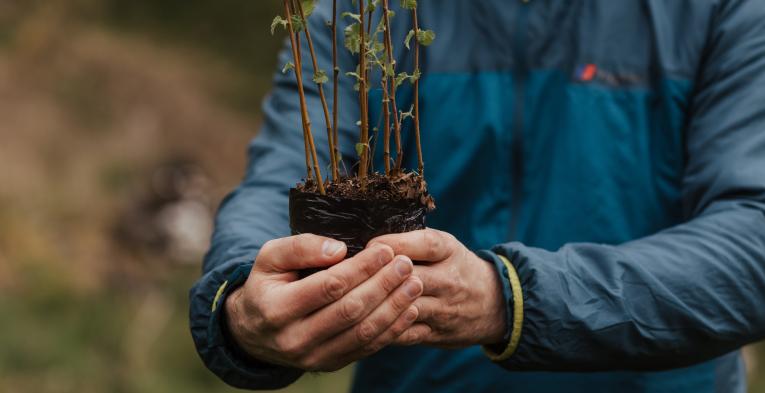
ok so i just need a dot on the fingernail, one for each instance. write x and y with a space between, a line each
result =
412 288
330 248
410 316
404 266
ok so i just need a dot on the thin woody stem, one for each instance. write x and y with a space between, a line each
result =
332 157
303 106
336 75
363 99
420 164
386 125
388 42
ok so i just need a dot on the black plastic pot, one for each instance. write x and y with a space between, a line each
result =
353 221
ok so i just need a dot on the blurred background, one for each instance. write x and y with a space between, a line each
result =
122 125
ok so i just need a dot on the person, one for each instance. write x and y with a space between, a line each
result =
599 171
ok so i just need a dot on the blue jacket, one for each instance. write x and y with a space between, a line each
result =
613 151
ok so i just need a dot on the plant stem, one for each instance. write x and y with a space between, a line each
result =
363 99
336 75
386 125
420 164
388 42
307 135
332 157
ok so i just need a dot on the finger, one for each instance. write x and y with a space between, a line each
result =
299 252
400 325
434 282
319 289
369 335
430 309
417 334
358 303
424 245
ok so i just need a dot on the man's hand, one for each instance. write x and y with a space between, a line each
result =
328 319
462 303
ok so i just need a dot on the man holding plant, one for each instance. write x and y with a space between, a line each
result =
607 158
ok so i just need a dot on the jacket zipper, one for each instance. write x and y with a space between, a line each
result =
519 89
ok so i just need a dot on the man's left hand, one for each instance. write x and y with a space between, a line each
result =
462 302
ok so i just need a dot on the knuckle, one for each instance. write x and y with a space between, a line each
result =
334 287
414 337
296 246
366 331
351 309
433 242
372 265
288 347
268 248
378 259
372 348
443 317
271 318
388 282
400 301
310 363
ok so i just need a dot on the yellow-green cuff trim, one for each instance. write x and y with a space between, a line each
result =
515 335
218 295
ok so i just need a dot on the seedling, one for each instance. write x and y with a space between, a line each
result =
372 203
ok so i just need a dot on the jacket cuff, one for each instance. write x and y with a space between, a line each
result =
513 296
216 348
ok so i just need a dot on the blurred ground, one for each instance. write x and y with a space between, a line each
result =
122 124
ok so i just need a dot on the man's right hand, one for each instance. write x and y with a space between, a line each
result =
330 318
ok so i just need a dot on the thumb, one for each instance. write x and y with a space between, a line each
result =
299 252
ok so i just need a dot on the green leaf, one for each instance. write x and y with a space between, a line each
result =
408 4
400 78
297 23
425 37
360 147
351 15
308 7
389 70
320 77
278 21
287 67
353 38
408 39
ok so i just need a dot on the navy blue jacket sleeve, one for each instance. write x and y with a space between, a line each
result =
691 292
257 210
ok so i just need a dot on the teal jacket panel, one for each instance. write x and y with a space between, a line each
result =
614 152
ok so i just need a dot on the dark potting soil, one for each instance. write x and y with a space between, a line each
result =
407 186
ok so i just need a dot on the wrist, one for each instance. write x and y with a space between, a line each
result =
232 316
496 312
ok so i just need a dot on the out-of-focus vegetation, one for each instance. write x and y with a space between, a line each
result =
122 124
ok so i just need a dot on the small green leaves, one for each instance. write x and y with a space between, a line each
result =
353 38
425 37
408 4
320 77
351 15
278 22
288 67
297 23
408 39
402 77
389 69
